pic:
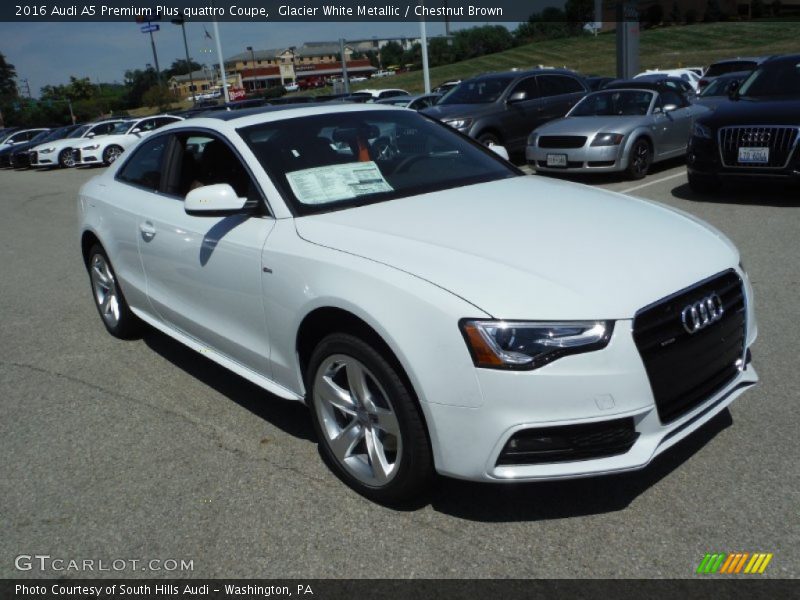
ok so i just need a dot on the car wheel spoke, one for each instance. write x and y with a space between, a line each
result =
342 445
335 396
386 421
357 380
377 459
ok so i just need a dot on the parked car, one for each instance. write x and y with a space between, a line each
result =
686 75
596 82
503 108
18 136
20 157
731 65
107 149
58 153
756 135
626 129
445 87
435 308
379 74
720 89
291 87
417 102
7 150
679 85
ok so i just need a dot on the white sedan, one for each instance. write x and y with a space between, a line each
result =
59 152
105 151
688 75
435 308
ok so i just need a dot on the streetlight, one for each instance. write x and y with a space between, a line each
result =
182 22
253 59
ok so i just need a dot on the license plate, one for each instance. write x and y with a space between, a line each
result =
754 155
556 160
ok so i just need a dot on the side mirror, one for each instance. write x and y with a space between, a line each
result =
517 97
90 135
499 150
136 130
215 200
670 107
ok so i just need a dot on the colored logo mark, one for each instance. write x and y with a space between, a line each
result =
735 563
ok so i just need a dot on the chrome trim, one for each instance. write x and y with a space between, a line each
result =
701 314
745 299
733 128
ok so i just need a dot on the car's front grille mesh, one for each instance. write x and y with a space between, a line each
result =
562 141
780 141
33 157
685 369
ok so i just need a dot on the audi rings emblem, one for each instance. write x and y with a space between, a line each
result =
755 137
702 313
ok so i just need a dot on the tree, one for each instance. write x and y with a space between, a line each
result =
179 67
547 25
478 41
654 15
440 51
8 75
138 82
690 17
391 54
777 5
159 96
757 9
578 13
713 12
675 13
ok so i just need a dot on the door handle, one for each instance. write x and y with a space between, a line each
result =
147 229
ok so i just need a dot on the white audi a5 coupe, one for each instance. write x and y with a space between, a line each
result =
58 153
123 136
435 308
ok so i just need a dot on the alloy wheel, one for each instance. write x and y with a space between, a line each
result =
105 290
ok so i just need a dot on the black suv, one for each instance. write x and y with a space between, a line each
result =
503 108
754 135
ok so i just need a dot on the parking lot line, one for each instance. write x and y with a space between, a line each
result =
649 183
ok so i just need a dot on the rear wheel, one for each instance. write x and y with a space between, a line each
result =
369 427
640 159
111 154
108 298
65 159
488 138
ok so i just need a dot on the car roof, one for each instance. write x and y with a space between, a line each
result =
523 73
783 58
755 59
636 84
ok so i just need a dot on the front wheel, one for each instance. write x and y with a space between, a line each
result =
66 159
369 427
640 158
489 139
108 298
111 154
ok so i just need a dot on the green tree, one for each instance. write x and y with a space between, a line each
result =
179 67
479 41
138 82
440 51
8 75
578 13
654 15
391 54
757 9
675 13
158 95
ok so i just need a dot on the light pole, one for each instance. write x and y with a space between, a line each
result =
253 60
426 76
182 22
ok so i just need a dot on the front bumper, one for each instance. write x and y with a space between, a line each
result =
703 160
43 159
587 159
589 391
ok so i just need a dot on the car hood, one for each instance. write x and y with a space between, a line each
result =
531 248
591 125
61 144
755 112
105 140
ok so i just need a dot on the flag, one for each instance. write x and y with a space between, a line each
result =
208 35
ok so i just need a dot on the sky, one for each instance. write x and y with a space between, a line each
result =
48 53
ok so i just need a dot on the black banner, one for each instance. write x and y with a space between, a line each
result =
716 588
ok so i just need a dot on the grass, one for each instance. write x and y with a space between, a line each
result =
665 47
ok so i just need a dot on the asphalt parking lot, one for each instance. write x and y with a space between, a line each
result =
145 450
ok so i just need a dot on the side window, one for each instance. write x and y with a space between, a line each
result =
144 168
103 128
527 85
549 85
671 97
161 121
147 125
569 85
203 160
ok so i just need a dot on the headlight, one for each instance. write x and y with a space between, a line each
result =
526 345
701 131
607 139
47 150
92 147
533 138
458 123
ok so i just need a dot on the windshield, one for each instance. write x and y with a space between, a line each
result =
42 136
613 103
477 91
339 160
780 78
79 131
719 87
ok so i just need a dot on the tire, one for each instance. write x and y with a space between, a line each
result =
386 455
65 159
108 298
487 137
639 159
111 154
703 184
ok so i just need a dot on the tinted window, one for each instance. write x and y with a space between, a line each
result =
103 128
671 97
730 67
332 161
527 85
144 166
779 78
554 85
570 85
